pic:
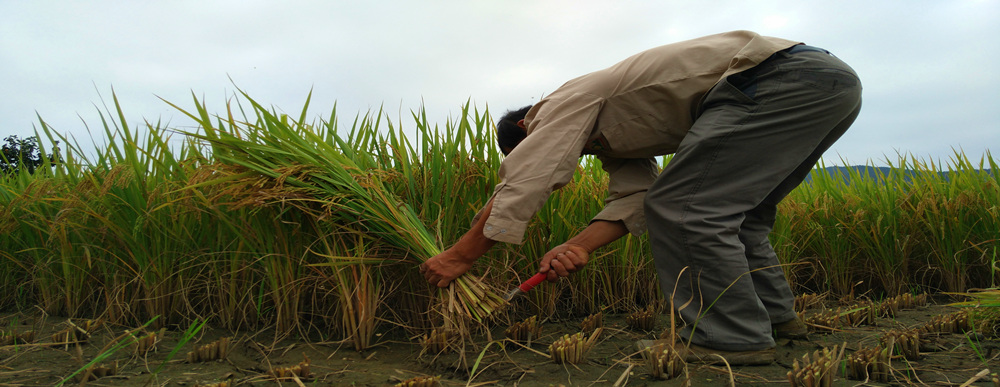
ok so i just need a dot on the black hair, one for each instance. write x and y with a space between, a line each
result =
508 133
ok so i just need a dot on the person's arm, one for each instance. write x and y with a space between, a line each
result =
628 180
443 268
573 255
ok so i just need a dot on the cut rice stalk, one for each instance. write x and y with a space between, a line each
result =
348 184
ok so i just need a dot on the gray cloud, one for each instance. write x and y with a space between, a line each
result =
927 66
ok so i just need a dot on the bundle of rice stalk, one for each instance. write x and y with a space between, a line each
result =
345 180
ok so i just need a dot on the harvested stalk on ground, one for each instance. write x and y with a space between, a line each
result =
664 362
524 331
870 363
11 338
592 322
906 343
573 349
98 371
807 301
818 370
889 307
421 381
643 320
70 335
217 350
300 370
823 321
437 341
958 322
148 342
861 313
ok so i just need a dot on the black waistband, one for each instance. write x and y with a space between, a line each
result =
803 48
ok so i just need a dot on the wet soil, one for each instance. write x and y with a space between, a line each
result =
946 360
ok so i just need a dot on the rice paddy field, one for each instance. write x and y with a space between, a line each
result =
265 249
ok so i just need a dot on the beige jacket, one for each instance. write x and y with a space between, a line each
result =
626 114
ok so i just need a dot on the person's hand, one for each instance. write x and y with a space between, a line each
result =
443 268
563 260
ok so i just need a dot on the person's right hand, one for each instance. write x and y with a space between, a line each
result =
443 268
562 260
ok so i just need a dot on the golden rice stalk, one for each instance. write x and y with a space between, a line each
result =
437 341
905 342
664 361
592 322
421 381
807 301
645 319
869 364
524 331
219 384
300 371
217 350
817 371
573 349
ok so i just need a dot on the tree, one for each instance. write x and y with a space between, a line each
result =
20 153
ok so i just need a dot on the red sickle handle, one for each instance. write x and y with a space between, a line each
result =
532 282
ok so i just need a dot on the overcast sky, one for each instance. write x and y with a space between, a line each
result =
929 68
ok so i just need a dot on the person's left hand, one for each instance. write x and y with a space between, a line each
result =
562 260
443 268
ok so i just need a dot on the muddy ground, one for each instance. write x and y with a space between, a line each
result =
946 360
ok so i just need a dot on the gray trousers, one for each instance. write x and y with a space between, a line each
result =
709 213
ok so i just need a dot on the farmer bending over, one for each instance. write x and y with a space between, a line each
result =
746 117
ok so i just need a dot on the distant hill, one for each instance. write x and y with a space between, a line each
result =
864 171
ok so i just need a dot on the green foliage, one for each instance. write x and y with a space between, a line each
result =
18 154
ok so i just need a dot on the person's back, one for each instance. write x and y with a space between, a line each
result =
648 101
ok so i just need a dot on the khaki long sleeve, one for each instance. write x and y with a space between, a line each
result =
635 110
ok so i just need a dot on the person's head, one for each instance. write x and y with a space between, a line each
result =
511 130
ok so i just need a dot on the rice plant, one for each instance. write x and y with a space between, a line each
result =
260 220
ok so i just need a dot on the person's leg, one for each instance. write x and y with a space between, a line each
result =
737 154
768 278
